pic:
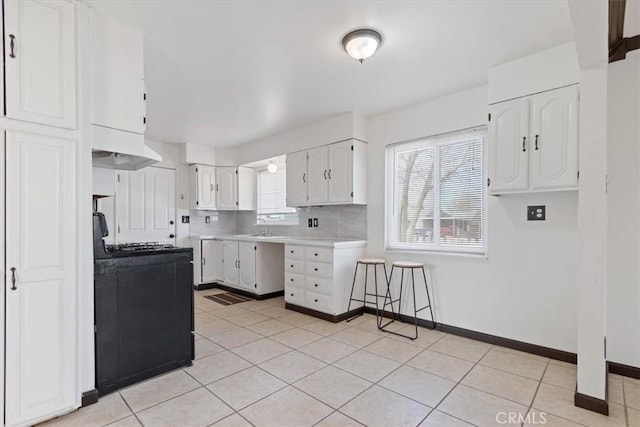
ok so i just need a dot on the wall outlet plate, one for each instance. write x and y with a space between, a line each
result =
315 222
207 219
536 213
310 222
185 219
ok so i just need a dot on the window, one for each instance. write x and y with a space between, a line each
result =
435 194
272 205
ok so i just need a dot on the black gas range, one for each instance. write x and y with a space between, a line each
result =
143 294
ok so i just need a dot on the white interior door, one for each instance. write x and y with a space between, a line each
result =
554 133
145 205
509 146
296 179
340 172
230 262
247 273
41 302
40 61
226 188
317 176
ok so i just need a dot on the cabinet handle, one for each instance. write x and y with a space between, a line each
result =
537 142
315 300
315 269
217 187
291 280
171 222
329 173
204 261
304 177
12 45
316 285
325 174
315 254
291 294
13 279
291 265
238 263
291 251
171 236
524 144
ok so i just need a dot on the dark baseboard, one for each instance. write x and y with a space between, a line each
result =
591 403
624 370
551 353
321 315
239 291
89 398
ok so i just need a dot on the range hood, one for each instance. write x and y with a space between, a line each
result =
117 149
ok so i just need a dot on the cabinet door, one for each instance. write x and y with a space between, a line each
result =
205 183
509 146
247 273
40 62
340 172
117 75
230 249
317 176
212 265
296 171
226 188
554 133
41 305
145 203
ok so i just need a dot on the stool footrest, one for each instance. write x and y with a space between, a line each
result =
423 308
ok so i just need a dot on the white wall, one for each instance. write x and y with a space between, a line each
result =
623 281
526 288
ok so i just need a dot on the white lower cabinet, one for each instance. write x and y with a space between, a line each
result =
249 266
40 277
320 278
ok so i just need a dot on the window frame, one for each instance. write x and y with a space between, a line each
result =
391 243
291 218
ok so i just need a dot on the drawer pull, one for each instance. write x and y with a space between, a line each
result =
315 300
291 280
291 294
316 285
315 269
316 254
291 251
291 265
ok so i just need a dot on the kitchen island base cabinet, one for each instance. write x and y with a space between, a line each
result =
318 280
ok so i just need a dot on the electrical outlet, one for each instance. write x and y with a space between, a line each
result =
207 219
315 222
185 219
536 213
310 222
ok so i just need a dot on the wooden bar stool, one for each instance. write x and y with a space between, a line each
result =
375 262
404 265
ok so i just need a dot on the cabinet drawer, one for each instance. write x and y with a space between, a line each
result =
321 269
318 302
312 253
318 284
292 279
293 266
293 252
294 295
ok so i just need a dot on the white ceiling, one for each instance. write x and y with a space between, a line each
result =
228 72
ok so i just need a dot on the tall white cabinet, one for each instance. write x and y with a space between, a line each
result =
39 62
46 171
40 277
533 143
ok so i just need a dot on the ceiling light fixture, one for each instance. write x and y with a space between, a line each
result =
361 44
272 167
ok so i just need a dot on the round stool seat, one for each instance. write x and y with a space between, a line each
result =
407 264
371 261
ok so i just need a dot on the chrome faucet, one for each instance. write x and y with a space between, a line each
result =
265 232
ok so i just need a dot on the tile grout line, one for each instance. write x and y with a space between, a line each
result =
533 399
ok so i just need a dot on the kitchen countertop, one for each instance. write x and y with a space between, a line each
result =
293 240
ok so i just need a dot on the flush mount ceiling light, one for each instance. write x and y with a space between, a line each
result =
361 44
272 167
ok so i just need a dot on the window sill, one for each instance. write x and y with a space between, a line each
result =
438 252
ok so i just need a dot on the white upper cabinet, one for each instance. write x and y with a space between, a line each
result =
317 180
297 178
203 181
533 143
554 133
39 62
118 98
331 174
226 188
508 133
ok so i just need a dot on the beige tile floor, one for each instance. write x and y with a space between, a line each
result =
260 364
